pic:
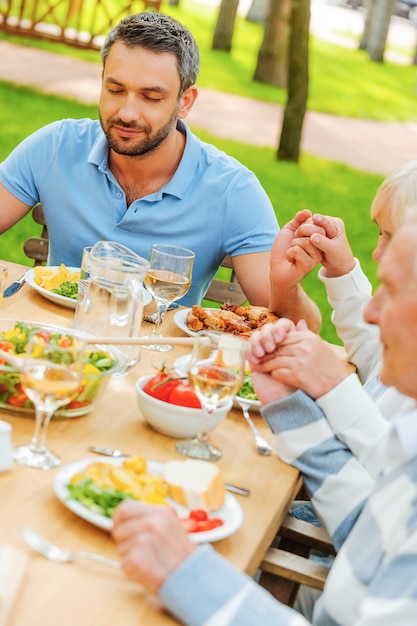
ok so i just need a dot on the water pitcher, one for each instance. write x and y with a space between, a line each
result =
111 303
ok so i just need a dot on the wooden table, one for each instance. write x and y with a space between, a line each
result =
86 593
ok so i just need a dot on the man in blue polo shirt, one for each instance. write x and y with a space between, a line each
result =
140 176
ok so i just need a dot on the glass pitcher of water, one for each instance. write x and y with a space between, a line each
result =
111 302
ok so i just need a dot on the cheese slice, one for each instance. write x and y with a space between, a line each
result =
195 484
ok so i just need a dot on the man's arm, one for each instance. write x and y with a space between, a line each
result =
284 296
11 209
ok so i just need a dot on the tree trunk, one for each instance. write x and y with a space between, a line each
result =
272 65
378 31
258 11
292 125
370 8
223 33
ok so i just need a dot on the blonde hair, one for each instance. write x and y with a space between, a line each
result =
399 192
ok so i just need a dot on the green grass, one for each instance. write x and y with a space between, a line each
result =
317 184
342 81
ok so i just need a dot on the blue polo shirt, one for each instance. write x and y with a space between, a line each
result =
213 205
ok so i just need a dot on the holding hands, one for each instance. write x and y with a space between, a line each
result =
285 356
319 239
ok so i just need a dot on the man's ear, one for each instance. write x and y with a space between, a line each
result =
187 101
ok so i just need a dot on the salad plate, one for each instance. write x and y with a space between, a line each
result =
181 366
69 303
231 512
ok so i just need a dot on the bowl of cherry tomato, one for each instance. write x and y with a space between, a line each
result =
169 404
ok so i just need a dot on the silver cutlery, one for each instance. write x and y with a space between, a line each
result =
153 316
11 289
54 553
262 446
242 491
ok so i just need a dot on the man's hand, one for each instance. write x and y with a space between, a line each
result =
151 542
289 264
293 256
330 241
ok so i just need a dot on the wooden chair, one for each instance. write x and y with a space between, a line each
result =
219 291
36 248
287 567
229 291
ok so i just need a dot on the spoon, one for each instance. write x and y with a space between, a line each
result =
262 446
53 553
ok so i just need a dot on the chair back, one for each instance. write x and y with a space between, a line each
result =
228 291
36 248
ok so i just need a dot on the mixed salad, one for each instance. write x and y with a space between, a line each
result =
15 342
247 390
67 289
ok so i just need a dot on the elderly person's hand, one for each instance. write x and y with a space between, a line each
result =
284 357
151 542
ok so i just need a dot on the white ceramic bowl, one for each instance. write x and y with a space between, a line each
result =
172 420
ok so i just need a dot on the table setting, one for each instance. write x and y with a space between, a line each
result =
84 591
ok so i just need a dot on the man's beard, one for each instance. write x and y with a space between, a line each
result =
144 146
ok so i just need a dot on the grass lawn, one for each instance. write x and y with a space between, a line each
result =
342 81
319 185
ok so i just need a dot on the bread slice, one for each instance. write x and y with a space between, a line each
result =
195 484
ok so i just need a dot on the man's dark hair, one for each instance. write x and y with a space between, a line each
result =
159 33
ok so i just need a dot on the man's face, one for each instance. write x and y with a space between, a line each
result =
394 309
139 100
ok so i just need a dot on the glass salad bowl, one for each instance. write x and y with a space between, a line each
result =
100 364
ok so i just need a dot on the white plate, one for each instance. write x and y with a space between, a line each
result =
231 512
182 365
180 322
69 303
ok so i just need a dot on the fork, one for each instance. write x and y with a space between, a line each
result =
261 444
153 316
59 555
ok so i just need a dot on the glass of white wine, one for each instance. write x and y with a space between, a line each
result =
215 376
168 279
50 375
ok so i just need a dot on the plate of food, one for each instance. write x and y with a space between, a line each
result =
92 490
246 391
57 283
237 320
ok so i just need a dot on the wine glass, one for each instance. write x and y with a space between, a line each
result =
168 279
215 375
50 374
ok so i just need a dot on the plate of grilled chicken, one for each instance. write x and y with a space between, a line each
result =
237 320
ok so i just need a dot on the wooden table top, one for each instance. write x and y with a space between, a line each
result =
86 593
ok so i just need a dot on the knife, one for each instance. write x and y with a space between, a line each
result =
118 453
11 289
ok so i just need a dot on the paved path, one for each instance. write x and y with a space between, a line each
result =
375 147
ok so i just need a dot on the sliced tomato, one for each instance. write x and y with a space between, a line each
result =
161 385
65 342
44 334
198 514
18 400
6 346
184 395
